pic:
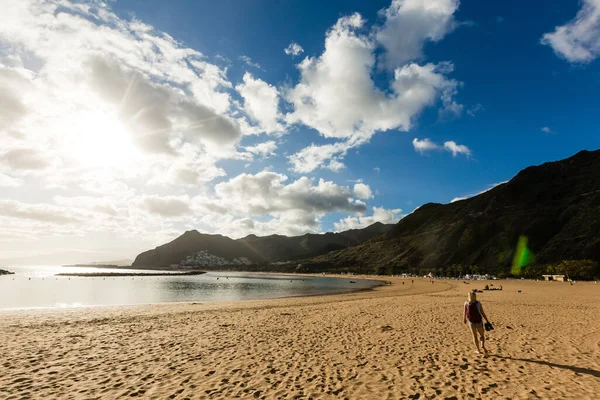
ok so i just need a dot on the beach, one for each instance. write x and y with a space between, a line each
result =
397 341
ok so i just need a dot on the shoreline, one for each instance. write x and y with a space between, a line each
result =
50 309
119 274
212 305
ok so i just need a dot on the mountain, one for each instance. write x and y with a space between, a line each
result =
259 250
556 206
192 242
283 248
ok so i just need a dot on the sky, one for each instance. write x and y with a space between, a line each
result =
125 123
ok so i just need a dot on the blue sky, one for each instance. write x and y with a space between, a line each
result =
520 84
390 105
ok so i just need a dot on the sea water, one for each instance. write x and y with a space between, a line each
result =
39 287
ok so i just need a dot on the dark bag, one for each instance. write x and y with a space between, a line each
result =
473 314
488 326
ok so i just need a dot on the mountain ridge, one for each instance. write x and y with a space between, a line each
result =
257 249
555 205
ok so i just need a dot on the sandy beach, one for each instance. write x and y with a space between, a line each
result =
396 342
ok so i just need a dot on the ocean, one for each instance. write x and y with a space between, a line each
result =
38 287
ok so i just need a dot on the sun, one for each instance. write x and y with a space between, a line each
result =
99 140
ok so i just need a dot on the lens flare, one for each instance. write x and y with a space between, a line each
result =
523 256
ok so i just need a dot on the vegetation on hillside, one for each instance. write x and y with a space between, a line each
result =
523 228
555 206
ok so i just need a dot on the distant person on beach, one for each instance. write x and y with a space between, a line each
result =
474 314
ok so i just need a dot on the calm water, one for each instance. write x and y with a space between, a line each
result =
38 287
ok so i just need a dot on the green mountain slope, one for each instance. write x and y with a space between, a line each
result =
556 206
283 248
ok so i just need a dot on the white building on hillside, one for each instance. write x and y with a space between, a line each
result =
205 259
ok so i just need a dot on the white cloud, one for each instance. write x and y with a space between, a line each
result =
457 148
190 167
9 181
409 24
425 145
154 113
132 113
346 66
323 156
474 109
169 206
363 191
335 165
265 149
266 203
109 205
290 224
13 81
23 159
490 187
380 214
115 223
293 49
422 146
579 39
449 106
131 101
36 212
267 193
248 61
261 102
547 129
128 134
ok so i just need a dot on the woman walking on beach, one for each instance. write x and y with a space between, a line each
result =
474 314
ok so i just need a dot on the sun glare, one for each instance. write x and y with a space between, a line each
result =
99 140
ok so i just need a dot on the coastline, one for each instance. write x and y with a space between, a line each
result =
73 304
119 274
394 341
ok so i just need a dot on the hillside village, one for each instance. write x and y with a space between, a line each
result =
205 259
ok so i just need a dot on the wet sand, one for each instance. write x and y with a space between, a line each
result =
395 342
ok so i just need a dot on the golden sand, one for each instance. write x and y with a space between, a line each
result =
396 342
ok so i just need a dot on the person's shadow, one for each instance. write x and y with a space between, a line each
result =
579 370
